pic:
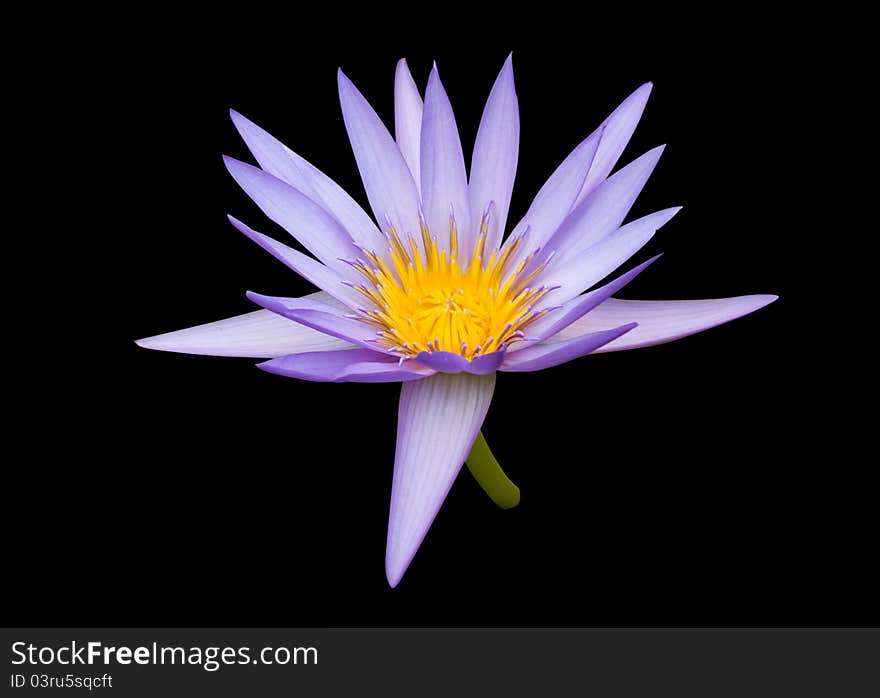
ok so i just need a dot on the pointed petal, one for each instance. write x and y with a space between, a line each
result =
321 276
663 321
408 118
552 352
590 266
350 366
386 176
280 161
438 421
321 317
604 210
259 334
444 180
618 129
577 307
316 230
493 166
556 198
448 362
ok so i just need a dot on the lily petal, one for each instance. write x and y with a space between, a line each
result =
317 231
555 199
280 161
321 317
438 422
663 321
577 307
390 187
408 118
444 179
448 362
350 366
595 263
321 276
554 352
618 129
496 149
603 211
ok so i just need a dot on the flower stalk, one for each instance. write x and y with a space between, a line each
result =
490 476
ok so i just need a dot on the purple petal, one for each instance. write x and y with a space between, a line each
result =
321 317
386 176
579 306
595 263
604 210
323 277
618 128
555 199
350 366
448 362
554 352
279 160
259 334
316 230
493 166
444 180
437 424
408 118
663 321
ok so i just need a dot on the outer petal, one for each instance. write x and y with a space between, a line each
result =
447 362
279 160
663 321
618 128
438 421
408 118
552 353
556 198
444 179
577 307
259 334
493 166
351 366
595 263
321 317
386 176
323 277
604 210
318 231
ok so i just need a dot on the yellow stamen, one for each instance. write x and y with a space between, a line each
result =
434 303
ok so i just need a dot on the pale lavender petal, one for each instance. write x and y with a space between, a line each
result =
449 362
350 366
618 128
444 179
553 352
389 184
493 166
438 421
577 307
321 317
663 321
555 199
604 210
595 263
313 271
408 118
260 334
316 230
279 160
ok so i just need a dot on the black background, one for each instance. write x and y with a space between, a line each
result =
703 482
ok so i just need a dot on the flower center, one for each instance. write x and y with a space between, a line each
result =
426 300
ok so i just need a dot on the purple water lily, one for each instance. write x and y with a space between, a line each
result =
434 295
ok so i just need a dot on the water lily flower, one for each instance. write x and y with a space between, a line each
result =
429 292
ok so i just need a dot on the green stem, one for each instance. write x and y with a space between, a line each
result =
491 477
